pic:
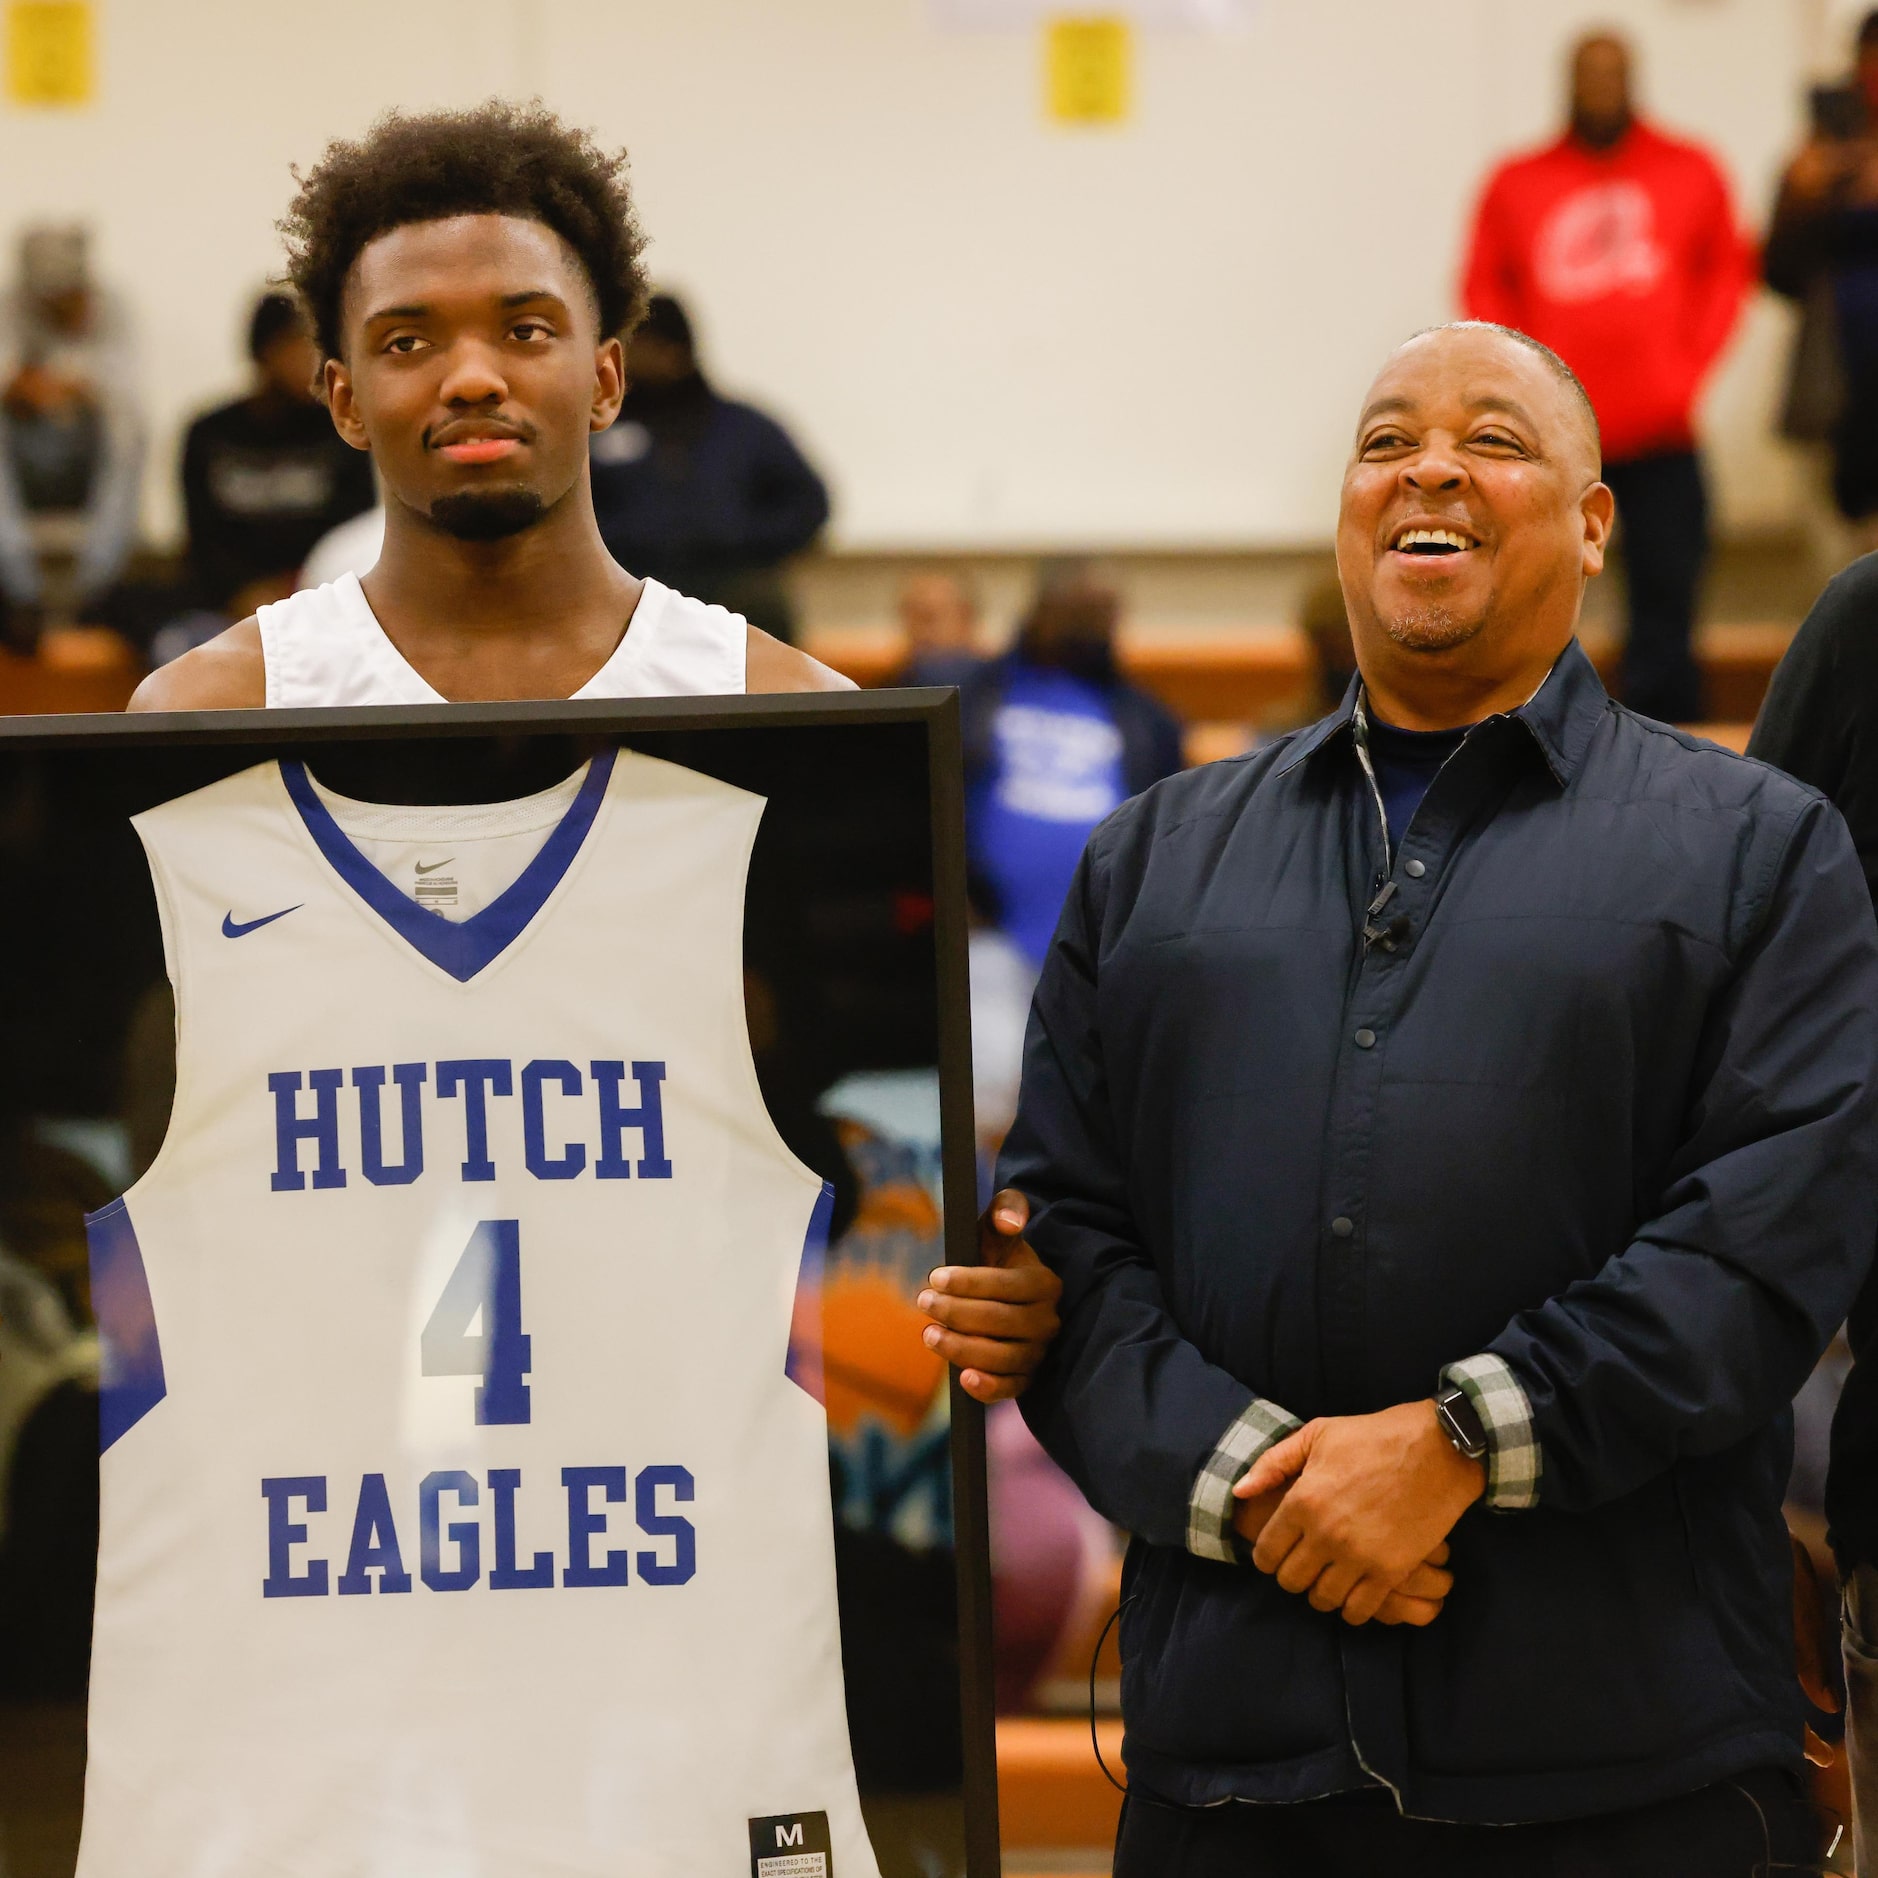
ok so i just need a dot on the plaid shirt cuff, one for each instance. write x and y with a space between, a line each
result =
1514 1457
1210 1506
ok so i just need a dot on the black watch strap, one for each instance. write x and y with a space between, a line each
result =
1460 1422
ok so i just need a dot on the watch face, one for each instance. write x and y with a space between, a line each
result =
1461 1420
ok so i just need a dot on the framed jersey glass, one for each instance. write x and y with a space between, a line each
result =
509 1142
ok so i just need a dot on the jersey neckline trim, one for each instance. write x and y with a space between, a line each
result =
461 948
626 656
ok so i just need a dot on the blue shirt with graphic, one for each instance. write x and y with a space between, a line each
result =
1055 772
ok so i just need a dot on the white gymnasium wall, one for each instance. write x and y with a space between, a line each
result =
988 331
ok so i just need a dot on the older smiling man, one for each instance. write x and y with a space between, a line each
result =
1453 1128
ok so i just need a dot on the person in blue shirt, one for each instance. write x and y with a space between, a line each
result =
1055 740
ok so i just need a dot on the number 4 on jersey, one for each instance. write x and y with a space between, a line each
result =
487 1282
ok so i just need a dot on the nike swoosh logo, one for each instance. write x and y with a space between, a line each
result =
232 930
433 867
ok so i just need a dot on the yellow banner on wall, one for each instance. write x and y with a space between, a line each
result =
49 52
1087 61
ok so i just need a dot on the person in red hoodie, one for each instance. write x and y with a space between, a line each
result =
1618 247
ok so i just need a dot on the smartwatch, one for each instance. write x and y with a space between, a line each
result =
1460 1422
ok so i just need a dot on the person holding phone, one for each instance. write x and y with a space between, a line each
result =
1822 252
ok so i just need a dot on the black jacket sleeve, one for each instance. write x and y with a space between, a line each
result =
1126 1405
1819 721
1704 1327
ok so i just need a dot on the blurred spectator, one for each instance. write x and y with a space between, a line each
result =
1822 252
1618 247
1330 661
1055 738
264 478
49 1368
1002 978
706 495
351 548
1325 623
71 435
939 616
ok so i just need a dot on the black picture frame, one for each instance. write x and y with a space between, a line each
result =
933 710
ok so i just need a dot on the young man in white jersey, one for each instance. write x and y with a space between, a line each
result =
471 278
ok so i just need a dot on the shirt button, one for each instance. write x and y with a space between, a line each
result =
1414 869
1342 1227
1366 1040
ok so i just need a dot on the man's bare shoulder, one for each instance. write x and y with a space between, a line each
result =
227 673
769 665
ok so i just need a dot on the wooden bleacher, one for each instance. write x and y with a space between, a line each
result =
1052 1795
78 668
1227 687
1055 1804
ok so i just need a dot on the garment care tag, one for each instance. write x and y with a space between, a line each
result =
791 1845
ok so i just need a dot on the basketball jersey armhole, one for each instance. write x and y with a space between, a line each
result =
744 1053
324 646
176 967
294 633
274 657
284 643
683 648
803 1345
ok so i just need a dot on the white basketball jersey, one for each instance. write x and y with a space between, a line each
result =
324 646
459 1519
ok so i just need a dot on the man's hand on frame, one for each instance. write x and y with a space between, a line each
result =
1363 1501
994 1321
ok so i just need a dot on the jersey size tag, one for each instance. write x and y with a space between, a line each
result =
435 890
791 1845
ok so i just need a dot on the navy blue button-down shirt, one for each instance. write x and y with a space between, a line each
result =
1614 1126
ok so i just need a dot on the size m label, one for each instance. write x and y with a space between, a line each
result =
791 1845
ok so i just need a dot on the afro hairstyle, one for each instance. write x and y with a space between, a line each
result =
498 159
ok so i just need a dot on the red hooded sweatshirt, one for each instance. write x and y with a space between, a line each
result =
1627 262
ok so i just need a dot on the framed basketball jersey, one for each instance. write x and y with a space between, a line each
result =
517 1453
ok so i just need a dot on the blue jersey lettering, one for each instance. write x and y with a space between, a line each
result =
284 1532
474 1081
374 1544
291 1128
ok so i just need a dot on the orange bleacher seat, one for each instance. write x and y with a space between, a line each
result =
1729 736
1216 679
1051 1792
1200 679
78 668
1216 676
